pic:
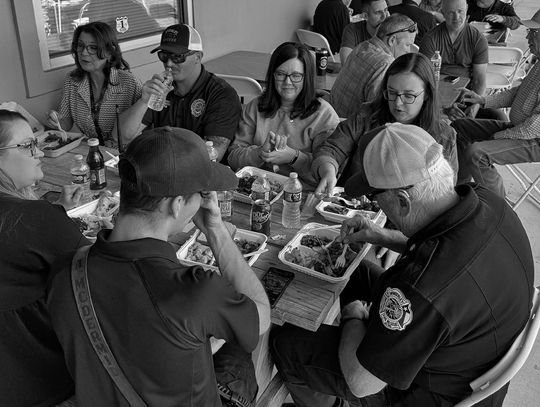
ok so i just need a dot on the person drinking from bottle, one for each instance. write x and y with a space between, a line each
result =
197 100
100 84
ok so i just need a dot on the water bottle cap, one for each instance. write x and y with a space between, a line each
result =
210 143
293 175
78 157
92 142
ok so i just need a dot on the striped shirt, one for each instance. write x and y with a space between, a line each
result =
124 89
524 101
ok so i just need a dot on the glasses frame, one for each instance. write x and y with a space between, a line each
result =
175 58
411 29
371 195
533 31
31 145
401 95
81 46
288 75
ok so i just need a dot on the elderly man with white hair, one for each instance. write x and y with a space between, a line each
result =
446 312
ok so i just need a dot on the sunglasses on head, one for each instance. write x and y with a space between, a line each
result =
175 58
29 145
372 196
411 29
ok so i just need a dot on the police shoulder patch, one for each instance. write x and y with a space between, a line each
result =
395 310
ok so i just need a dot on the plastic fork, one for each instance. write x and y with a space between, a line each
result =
342 260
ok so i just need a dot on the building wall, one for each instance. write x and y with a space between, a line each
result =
225 25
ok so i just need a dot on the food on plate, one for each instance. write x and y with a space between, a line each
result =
245 182
312 254
363 203
333 208
102 217
200 253
53 141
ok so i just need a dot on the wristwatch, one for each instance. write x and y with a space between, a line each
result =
295 157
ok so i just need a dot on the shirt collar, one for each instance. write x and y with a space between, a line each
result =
199 83
451 218
381 44
134 249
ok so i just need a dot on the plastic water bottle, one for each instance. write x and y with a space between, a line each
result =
157 102
80 173
225 204
292 199
260 189
212 152
436 60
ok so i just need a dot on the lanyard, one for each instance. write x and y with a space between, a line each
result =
95 107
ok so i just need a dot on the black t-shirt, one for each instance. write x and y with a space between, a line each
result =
33 234
452 305
210 109
157 316
330 19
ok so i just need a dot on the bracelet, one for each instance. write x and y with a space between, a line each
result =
295 157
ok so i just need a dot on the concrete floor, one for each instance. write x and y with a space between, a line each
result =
525 387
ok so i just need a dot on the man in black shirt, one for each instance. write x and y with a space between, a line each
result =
425 21
198 100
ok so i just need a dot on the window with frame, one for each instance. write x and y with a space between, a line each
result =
137 23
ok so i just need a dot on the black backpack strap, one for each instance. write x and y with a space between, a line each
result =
81 291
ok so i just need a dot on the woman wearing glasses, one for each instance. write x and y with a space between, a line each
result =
280 129
409 96
33 234
100 83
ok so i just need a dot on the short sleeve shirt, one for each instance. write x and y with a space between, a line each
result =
470 48
439 320
151 306
354 34
210 109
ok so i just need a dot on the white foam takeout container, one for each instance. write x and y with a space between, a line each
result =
311 229
200 238
336 217
86 209
77 137
237 196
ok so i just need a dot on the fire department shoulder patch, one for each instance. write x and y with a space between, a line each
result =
395 310
197 107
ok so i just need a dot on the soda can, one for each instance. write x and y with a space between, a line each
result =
321 61
261 215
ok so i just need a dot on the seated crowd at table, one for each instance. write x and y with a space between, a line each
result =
122 322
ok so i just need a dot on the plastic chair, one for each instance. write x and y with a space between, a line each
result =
527 183
505 61
315 40
246 87
511 362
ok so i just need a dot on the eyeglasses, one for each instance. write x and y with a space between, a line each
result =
92 49
407 98
372 195
29 145
411 29
533 31
295 77
175 58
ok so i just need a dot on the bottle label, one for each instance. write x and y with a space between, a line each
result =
292 196
80 178
256 195
225 208
97 178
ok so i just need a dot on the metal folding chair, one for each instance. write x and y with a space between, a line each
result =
246 87
315 40
529 185
505 61
512 361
